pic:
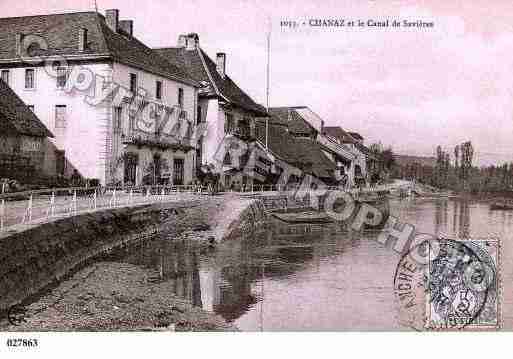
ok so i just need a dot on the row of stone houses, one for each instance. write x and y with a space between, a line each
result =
106 106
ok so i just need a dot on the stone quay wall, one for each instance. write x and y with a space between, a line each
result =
33 258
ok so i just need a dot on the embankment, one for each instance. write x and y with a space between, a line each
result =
33 258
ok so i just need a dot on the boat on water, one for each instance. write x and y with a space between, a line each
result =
304 217
501 206
308 215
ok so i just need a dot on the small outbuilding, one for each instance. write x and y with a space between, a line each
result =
23 138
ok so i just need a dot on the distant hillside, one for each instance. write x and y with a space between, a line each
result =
405 160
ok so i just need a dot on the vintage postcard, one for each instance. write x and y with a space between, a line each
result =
255 166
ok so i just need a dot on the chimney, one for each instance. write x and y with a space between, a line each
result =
19 40
82 39
127 26
189 41
112 19
221 64
182 40
192 42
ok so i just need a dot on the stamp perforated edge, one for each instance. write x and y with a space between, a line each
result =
474 327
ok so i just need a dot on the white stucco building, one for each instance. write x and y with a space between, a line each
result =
353 142
104 95
225 108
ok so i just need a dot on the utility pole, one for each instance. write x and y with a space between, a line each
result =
262 299
268 72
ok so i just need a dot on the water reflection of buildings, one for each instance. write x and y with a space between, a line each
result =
190 275
233 291
175 264
227 282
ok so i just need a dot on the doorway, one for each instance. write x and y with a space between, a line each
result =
130 174
178 171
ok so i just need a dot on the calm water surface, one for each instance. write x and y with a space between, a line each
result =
323 280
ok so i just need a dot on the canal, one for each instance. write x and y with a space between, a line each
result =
325 279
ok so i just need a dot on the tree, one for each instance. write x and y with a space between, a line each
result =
467 154
384 159
456 157
446 167
388 158
442 166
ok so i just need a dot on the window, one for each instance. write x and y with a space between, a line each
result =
260 131
60 162
180 97
117 119
62 77
244 127
178 171
158 90
60 116
31 107
227 160
29 78
131 160
131 121
229 124
133 83
199 153
198 115
5 76
157 168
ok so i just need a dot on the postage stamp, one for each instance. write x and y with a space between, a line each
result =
458 288
463 285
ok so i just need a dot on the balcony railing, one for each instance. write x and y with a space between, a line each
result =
141 138
242 132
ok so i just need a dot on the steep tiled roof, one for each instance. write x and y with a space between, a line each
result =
203 69
61 32
364 149
338 133
299 152
190 61
291 116
356 135
280 142
310 153
16 116
299 125
281 114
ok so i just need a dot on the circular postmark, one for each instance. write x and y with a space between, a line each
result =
449 290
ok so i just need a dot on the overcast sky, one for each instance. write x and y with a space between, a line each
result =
409 88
